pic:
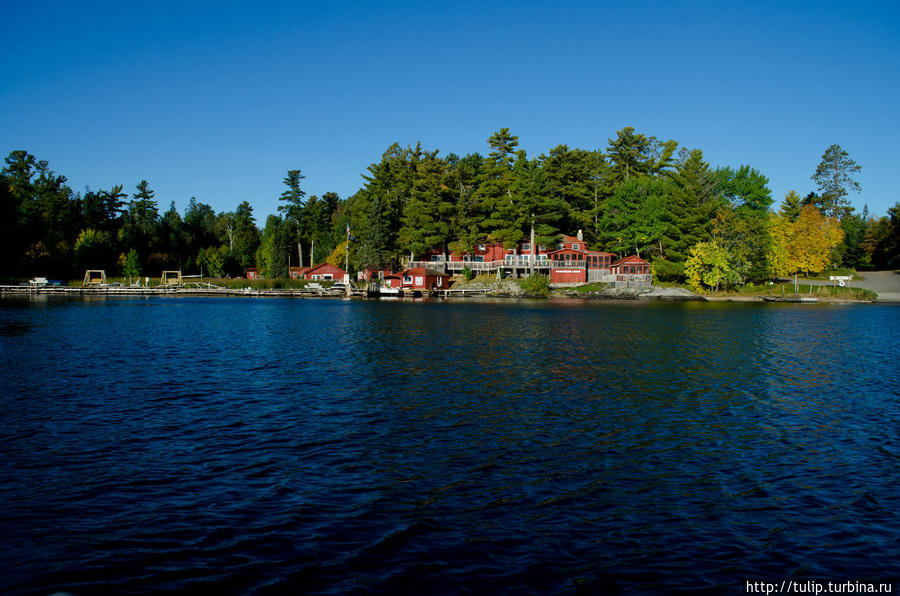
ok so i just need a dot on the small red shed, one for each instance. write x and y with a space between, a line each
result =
422 279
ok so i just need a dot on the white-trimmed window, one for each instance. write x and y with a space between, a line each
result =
407 279
576 246
327 277
526 247
481 247
440 281
420 281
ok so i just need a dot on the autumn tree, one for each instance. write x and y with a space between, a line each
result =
710 266
804 245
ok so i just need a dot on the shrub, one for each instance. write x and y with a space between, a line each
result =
664 270
537 285
468 274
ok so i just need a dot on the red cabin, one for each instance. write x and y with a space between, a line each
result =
420 279
252 273
630 266
324 272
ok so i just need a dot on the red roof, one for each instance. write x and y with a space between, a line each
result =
315 268
631 259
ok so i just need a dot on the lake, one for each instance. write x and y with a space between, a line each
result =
257 446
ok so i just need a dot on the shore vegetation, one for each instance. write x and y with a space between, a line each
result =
714 227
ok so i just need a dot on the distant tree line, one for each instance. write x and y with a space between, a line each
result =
710 226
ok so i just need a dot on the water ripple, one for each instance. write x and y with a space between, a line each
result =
514 447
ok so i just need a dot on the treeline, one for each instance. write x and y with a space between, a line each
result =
47 229
640 195
711 226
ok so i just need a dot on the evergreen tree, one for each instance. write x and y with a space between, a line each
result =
790 206
425 222
745 189
464 177
629 154
834 178
634 218
692 204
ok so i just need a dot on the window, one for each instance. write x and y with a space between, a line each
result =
576 247
440 281
420 281
407 279
481 247
437 257
479 259
327 276
542 247
526 247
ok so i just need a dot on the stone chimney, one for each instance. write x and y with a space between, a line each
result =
580 236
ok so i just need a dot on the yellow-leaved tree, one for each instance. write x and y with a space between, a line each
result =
803 245
338 257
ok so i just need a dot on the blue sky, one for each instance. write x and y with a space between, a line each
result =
219 99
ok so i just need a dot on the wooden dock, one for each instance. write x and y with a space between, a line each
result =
125 291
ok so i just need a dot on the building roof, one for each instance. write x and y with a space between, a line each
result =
631 259
315 268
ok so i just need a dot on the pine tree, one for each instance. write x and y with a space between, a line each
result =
834 178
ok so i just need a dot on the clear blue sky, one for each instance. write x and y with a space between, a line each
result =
218 100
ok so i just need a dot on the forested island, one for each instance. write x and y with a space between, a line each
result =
710 227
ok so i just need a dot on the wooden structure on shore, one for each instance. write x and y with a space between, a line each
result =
171 278
95 277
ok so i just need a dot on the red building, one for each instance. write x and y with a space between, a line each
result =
370 274
570 265
630 266
252 273
323 272
419 279
485 252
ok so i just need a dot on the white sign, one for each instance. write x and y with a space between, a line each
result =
840 277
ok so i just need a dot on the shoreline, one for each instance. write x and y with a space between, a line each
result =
646 294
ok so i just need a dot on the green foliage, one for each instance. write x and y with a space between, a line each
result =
536 285
746 189
790 206
667 271
211 261
91 249
129 264
634 217
834 178
636 196
293 197
468 274
882 240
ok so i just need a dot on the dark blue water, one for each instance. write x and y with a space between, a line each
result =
334 446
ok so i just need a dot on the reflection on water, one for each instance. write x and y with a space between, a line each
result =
337 446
